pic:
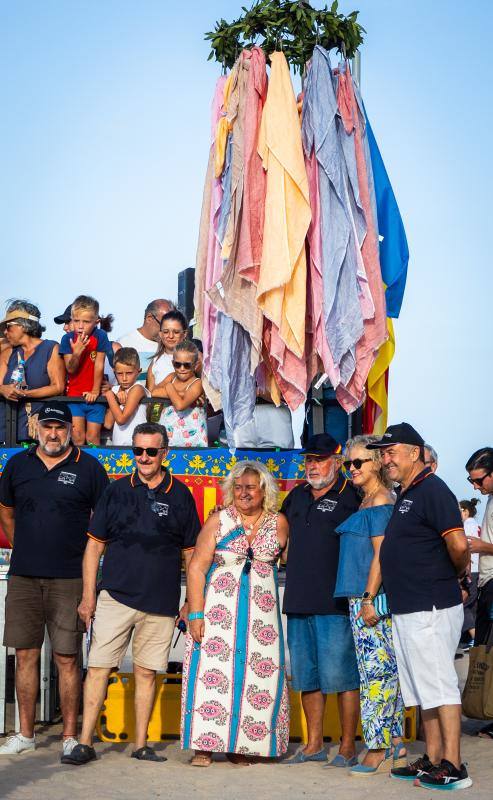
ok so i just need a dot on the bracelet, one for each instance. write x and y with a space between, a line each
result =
367 602
195 615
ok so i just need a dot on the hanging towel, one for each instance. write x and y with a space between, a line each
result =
342 309
207 249
282 280
236 294
375 330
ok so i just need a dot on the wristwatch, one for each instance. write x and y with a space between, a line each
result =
368 596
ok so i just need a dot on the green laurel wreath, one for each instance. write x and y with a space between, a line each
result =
293 27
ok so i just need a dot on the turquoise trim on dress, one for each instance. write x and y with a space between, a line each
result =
282 666
239 663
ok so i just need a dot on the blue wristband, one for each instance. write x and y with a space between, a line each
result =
196 615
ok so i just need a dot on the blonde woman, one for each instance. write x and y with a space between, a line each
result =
359 578
235 698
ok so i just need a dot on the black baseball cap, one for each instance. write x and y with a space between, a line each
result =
322 444
55 412
404 433
65 317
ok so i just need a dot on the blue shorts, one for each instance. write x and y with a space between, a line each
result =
322 654
93 412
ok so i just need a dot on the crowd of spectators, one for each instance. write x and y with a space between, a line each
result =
111 384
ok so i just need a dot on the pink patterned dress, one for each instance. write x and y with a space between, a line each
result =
235 697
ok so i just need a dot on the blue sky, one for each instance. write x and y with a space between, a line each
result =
103 145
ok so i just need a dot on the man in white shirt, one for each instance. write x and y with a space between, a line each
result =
146 338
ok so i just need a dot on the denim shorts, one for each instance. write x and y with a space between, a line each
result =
93 412
322 654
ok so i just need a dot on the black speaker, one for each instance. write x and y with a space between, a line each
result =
186 288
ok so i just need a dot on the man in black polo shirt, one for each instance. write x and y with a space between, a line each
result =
47 494
145 522
321 646
422 554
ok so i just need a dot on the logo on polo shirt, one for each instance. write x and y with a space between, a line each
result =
405 506
326 505
68 478
161 509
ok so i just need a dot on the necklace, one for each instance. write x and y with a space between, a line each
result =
251 526
370 495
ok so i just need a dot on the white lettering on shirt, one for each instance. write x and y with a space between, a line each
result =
326 505
161 509
68 478
405 506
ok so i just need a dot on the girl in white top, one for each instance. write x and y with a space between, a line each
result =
173 330
125 410
185 419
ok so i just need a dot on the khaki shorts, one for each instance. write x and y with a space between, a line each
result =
112 630
33 603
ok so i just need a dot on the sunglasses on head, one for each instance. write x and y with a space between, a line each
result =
478 481
151 451
355 462
183 364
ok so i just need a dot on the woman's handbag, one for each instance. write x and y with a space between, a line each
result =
380 604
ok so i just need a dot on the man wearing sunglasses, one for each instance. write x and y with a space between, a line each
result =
480 469
423 553
146 338
321 646
144 522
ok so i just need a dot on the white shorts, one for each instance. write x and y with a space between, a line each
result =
425 643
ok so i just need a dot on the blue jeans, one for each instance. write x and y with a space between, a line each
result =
322 655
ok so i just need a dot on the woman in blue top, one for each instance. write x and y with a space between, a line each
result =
359 579
36 361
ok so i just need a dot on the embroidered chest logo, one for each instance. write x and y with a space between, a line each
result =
405 506
326 505
68 478
161 509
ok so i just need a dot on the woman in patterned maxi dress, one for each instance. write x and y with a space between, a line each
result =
235 697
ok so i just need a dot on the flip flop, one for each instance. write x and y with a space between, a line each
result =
201 760
147 754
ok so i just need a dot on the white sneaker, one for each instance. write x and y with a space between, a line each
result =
16 744
68 745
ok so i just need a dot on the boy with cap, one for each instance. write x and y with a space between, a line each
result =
321 646
422 554
47 495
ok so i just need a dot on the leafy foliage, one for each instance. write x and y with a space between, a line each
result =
293 26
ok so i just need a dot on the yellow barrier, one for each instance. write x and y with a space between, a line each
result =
116 722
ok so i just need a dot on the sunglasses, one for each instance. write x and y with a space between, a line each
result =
478 481
248 562
151 451
355 462
183 364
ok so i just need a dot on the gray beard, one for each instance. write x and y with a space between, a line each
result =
319 483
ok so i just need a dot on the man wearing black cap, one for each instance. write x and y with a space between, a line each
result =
320 641
422 554
47 494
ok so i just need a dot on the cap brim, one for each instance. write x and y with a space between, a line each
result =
321 455
61 320
54 419
378 445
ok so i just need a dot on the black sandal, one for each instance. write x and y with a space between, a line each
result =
81 754
147 754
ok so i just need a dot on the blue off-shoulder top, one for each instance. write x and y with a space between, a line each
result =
356 549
